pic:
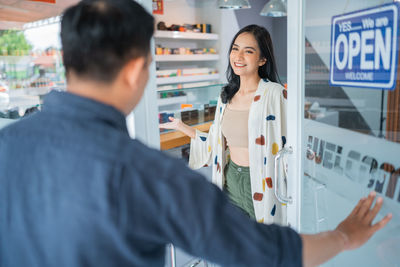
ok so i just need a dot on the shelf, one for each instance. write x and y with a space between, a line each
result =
175 139
168 58
185 35
171 100
186 79
189 86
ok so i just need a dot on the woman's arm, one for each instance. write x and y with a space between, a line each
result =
177 124
350 234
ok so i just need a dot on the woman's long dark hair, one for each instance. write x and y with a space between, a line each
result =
266 71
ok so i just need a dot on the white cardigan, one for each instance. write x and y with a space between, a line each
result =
267 135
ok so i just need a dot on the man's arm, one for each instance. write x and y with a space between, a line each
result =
353 232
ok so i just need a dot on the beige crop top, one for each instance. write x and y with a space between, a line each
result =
234 127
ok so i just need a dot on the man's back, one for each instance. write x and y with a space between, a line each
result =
61 187
75 190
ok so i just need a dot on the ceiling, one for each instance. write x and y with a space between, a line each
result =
15 13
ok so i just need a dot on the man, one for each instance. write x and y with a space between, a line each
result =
75 190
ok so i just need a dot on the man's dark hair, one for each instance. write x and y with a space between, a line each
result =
100 36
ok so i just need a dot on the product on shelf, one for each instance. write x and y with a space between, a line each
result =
204 28
185 85
183 106
170 94
190 117
209 112
185 72
184 51
163 116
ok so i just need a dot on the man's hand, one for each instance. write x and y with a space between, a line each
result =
353 232
357 228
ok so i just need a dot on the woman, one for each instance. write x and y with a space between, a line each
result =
248 130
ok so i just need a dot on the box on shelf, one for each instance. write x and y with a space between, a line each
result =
204 28
185 72
209 112
184 51
170 94
190 117
186 85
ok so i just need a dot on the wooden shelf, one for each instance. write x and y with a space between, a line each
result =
175 139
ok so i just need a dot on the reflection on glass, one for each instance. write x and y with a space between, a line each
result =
26 74
368 111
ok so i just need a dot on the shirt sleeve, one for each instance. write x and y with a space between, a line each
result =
202 145
205 224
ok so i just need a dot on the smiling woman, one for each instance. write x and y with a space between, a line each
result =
249 128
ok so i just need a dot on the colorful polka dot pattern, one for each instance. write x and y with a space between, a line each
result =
275 148
258 196
271 123
273 210
268 180
217 164
260 140
270 118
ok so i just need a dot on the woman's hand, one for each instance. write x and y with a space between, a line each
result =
177 124
174 124
357 228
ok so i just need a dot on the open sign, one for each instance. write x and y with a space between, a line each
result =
364 48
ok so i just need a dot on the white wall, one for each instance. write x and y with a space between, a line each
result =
142 123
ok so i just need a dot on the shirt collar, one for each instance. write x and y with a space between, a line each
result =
81 107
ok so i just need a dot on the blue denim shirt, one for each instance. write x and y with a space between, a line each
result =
76 190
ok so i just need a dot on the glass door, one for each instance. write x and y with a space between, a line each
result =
345 135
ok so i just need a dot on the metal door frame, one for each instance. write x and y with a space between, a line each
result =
295 111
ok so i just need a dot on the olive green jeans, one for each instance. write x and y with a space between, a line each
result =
238 187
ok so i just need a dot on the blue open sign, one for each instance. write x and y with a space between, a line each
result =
364 48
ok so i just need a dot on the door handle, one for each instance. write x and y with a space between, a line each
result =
282 199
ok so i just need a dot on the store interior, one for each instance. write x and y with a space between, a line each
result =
190 56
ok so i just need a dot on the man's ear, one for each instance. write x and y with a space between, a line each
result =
132 71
